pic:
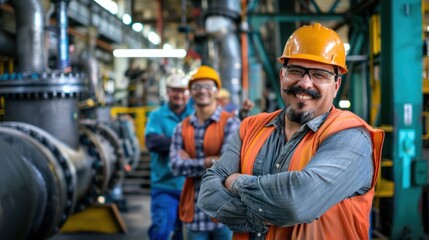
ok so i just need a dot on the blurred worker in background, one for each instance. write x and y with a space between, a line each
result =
224 100
307 171
136 83
166 188
197 142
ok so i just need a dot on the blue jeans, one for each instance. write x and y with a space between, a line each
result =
164 212
218 234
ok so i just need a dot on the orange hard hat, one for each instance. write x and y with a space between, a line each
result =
205 72
316 43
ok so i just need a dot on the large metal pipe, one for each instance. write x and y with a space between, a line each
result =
36 187
59 117
18 188
30 35
221 25
43 181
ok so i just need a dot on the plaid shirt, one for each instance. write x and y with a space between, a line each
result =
196 168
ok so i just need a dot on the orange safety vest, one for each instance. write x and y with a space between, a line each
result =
213 140
348 219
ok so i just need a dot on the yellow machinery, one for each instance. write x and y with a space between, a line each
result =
139 114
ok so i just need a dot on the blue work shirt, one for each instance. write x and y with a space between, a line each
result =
162 122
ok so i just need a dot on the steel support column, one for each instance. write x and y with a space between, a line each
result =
401 108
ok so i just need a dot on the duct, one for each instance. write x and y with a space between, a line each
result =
8 45
30 35
221 19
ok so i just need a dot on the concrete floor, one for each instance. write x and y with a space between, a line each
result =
136 219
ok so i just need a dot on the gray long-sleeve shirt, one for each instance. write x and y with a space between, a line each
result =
341 168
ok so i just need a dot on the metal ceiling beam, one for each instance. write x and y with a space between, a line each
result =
356 9
259 19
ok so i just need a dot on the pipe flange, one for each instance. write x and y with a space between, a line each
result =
89 141
43 86
118 173
90 137
48 141
41 95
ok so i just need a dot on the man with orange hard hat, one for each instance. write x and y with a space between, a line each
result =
307 171
197 142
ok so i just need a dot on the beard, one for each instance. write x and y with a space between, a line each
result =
299 117
295 115
175 106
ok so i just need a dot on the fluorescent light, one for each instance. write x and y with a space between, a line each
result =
150 53
113 7
344 104
126 19
109 5
138 27
167 46
153 38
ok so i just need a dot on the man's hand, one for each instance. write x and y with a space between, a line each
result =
208 161
230 180
184 155
247 105
245 108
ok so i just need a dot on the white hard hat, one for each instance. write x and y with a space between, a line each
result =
177 80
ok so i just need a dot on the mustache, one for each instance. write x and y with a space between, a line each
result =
297 89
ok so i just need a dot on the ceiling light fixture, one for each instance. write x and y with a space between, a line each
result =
126 19
149 53
138 27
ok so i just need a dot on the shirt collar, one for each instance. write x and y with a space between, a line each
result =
168 113
215 117
313 124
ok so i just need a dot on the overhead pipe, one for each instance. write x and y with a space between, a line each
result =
62 42
221 21
30 36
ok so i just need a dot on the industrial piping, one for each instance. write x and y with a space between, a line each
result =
52 164
221 22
